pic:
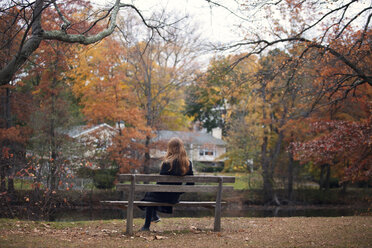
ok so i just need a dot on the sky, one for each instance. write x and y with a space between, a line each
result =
215 24
219 25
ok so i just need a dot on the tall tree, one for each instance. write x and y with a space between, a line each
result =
213 93
256 109
159 66
339 32
337 139
332 37
14 133
53 109
32 77
100 80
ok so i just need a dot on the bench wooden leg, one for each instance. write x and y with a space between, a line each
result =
130 207
217 211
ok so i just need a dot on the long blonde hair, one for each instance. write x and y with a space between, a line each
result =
176 150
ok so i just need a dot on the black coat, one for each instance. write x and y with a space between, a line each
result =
167 197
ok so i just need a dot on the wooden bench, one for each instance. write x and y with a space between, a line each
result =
215 185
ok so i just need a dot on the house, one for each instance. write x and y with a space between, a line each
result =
96 139
201 147
78 147
99 135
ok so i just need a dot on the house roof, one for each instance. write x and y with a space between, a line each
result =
195 138
84 129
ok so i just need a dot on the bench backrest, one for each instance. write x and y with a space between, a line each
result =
136 179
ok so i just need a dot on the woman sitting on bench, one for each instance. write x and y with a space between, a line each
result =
174 163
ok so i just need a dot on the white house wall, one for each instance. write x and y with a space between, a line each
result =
217 152
194 153
103 136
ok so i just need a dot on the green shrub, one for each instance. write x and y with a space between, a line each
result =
103 181
85 172
201 167
334 183
104 178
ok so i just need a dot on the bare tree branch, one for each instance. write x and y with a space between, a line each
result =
310 44
351 20
66 22
81 38
30 42
6 73
98 20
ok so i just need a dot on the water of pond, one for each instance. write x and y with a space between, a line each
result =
254 211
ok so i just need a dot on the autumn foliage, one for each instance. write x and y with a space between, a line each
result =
305 104
101 82
345 144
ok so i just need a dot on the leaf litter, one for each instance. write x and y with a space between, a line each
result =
194 232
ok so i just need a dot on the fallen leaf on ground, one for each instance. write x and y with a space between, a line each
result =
151 238
160 237
195 230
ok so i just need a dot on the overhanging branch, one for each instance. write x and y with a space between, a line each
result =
61 35
264 44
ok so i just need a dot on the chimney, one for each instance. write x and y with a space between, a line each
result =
217 133
120 124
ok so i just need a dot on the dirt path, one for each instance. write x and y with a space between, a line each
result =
353 231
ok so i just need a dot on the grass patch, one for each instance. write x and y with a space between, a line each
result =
242 180
22 184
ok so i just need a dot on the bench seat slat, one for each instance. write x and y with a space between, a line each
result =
146 203
163 178
171 188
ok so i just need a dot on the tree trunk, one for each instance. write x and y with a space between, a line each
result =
149 122
10 184
274 153
325 174
53 162
290 176
9 169
2 178
267 185
267 175
2 162
321 177
328 176
53 172
146 163
345 184
344 187
268 162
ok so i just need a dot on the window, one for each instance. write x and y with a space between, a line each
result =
206 152
209 153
